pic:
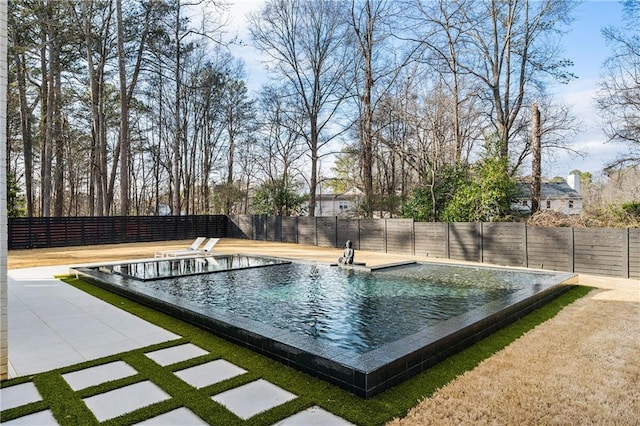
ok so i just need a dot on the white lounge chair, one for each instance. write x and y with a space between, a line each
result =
199 252
209 246
192 249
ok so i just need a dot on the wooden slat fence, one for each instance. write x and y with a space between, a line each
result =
598 251
431 239
504 243
634 253
612 252
27 233
550 248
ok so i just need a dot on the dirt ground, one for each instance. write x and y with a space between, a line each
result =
580 367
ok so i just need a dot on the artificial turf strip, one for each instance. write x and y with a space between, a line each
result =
68 407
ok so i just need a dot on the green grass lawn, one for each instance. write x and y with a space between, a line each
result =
69 409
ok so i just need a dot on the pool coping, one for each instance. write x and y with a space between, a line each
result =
370 373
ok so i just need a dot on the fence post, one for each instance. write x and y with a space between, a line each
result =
48 228
384 235
625 252
572 260
447 242
525 245
413 237
481 242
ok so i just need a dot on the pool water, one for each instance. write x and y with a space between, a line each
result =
346 308
363 330
180 267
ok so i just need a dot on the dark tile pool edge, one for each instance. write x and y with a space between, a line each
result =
418 352
368 374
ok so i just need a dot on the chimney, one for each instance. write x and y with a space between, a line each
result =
574 181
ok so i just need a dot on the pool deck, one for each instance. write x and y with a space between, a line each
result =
76 327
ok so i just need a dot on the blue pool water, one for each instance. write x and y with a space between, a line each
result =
356 311
364 331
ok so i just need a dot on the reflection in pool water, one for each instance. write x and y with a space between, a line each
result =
350 309
167 268
362 330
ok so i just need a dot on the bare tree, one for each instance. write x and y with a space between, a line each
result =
22 34
374 23
443 32
305 43
619 93
279 147
512 49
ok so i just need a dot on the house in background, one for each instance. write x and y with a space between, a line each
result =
342 205
563 197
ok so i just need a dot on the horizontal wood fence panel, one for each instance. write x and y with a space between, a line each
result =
307 230
245 224
430 239
260 227
504 244
274 228
326 230
598 251
27 233
634 252
464 241
612 252
548 248
290 229
348 230
399 234
372 235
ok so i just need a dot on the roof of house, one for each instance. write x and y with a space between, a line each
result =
550 191
334 197
351 194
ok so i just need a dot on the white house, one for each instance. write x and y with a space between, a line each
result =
343 205
561 197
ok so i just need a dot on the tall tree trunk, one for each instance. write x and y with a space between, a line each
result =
366 42
177 141
96 131
536 169
230 157
313 184
58 138
124 117
49 100
25 128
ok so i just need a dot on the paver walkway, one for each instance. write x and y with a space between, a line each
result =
54 325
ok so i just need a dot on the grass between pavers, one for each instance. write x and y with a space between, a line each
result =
69 409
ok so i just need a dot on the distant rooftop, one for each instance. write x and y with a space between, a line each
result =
550 191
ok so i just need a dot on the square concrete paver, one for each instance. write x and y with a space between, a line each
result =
181 416
99 374
55 325
15 396
176 354
41 418
125 400
314 416
207 374
248 400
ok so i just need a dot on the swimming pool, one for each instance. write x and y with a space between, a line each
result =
364 330
181 267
